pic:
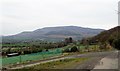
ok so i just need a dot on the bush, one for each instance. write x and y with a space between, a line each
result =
116 44
66 50
46 50
39 50
27 52
71 49
74 49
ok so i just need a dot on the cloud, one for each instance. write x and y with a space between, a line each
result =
27 15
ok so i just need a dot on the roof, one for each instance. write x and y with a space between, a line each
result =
12 54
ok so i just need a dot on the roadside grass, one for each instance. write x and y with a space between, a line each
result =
61 64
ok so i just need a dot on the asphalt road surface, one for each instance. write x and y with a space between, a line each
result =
104 60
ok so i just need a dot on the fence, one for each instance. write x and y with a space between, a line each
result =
31 57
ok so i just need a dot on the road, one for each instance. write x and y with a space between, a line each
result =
108 62
92 63
104 60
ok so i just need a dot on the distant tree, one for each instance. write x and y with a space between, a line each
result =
68 40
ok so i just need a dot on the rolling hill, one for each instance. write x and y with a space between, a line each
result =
54 34
113 33
111 36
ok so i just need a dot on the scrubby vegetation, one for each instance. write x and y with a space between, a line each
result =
33 47
71 48
109 37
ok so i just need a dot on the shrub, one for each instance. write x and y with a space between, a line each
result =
74 49
116 44
27 52
66 50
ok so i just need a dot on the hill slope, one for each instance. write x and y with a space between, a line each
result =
54 33
113 33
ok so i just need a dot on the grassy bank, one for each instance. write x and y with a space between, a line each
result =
61 64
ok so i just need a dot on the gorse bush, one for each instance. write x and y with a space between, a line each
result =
74 49
71 49
116 44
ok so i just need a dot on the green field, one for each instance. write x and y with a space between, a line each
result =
40 55
0 62
31 57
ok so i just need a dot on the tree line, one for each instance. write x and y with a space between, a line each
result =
34 47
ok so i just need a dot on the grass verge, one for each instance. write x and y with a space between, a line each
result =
61 64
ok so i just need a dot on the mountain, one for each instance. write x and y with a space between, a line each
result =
54 34
107 35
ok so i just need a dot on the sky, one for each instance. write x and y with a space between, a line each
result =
28 15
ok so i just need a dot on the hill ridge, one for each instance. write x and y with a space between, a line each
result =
50 33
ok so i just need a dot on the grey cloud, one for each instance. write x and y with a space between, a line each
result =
22 15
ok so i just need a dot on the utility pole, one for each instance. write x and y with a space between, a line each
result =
20 53
119 13
118 32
